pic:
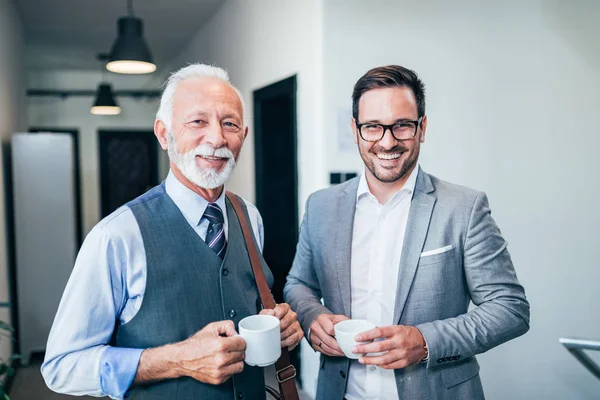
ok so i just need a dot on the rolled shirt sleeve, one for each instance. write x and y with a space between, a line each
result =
78 359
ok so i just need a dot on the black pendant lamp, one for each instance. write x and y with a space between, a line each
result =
130 54
105 103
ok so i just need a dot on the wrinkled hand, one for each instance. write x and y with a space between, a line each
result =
291 332
322 334
213 354
404 346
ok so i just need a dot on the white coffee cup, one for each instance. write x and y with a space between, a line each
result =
263 339
345 334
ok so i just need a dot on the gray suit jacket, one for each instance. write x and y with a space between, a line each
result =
434 292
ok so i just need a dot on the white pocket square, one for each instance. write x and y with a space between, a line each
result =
437 251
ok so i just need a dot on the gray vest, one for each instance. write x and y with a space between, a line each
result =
188 286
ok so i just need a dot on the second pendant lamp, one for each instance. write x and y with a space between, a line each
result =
130 54
105 103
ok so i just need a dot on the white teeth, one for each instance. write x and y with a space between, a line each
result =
383 156
211 158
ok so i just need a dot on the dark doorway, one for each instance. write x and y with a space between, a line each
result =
277 178
76 175
11 256
277 175
128 166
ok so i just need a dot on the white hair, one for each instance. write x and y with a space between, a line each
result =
165 110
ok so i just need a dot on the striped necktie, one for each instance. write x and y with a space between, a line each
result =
215 236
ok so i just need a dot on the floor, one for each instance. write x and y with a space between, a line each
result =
28 384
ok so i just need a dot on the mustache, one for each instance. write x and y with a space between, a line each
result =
206 150
395 149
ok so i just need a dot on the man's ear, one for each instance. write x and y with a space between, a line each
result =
354 129
423 128
160 131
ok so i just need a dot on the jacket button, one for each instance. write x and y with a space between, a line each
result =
455 358
440 361
240 395
342 374
225 272
232 314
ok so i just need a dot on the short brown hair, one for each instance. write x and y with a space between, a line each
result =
389 76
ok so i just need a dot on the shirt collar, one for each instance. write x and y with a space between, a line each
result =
191 204
409 185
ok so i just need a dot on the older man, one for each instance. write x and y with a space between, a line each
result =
159 286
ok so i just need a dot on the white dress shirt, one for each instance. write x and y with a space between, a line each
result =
106 287
377 241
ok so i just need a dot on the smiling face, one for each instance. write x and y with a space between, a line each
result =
389 160
207 131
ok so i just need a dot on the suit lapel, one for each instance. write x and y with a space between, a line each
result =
344 222
417 226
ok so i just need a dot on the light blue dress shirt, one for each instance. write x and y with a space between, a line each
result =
107 287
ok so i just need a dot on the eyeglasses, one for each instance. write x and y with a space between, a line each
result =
404 129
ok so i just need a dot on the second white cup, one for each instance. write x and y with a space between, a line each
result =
346 331
263 339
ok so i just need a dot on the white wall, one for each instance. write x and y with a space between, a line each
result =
260 42
513 95
12 119
74 112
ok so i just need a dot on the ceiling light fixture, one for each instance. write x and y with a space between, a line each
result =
130 54
105 103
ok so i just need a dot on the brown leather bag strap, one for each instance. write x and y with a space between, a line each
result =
285 370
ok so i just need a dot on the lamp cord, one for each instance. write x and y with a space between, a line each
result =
130 7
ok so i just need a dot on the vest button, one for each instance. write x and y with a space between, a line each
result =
240 395
342 374
232 314
225 272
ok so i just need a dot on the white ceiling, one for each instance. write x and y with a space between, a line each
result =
67 34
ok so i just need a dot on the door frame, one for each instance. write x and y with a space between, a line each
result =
287 86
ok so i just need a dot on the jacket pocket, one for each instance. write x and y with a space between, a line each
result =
436 258
457 374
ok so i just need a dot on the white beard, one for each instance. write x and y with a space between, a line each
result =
207 178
